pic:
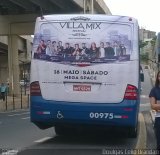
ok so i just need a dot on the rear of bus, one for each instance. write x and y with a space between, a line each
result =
85 71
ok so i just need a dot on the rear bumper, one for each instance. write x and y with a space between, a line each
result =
50 113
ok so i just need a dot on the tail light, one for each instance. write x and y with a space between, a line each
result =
131 93
35 89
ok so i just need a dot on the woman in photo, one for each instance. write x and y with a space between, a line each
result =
94 52
41 49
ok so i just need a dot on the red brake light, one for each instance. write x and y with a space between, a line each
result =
131 93
35 89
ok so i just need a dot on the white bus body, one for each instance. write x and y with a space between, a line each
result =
95 83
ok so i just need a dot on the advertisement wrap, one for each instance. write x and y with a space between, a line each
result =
84 56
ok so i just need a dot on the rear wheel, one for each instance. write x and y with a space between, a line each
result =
63 130
133 131
60 130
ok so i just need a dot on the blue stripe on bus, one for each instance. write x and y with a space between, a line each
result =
49 112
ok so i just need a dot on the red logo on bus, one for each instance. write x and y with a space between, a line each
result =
81 88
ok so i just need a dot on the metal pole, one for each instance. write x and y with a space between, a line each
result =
25 88
84 6
92 8
6 101
21 97
24 77
13 103
28 101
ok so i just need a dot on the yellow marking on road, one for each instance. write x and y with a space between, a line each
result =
142 136
43 139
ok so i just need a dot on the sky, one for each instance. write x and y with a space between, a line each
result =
146 11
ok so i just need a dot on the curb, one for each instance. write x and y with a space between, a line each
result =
142 136
16 110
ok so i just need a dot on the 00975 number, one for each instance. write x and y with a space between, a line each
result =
101 115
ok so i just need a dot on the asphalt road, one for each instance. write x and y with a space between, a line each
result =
16 131
18 134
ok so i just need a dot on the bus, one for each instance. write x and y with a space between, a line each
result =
85 71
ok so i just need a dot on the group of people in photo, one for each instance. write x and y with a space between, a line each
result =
52 50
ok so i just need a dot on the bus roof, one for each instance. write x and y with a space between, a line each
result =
88 17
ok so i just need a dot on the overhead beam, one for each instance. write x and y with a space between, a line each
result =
17 28
27 5
22 28
62 4
45 5
101 7
17 24
39 6
9 6
76 7
17 18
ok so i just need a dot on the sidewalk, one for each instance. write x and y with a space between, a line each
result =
152 75
12 103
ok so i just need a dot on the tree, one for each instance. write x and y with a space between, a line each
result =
142 44
144 57
153 41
